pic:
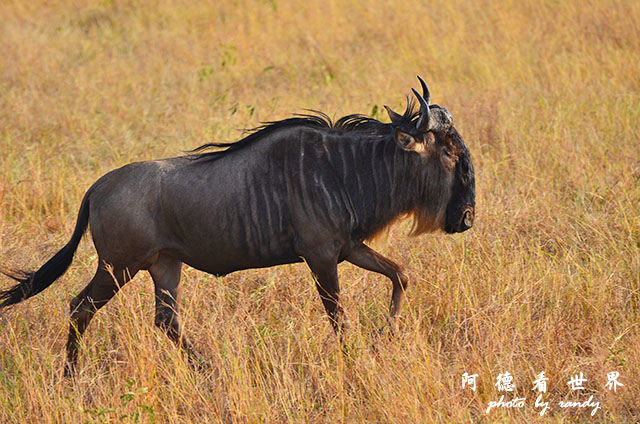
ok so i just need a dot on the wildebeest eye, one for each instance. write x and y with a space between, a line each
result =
448 159
449 147
450 154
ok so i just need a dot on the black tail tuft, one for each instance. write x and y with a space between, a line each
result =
32 283
20 291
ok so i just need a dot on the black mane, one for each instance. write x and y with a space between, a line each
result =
316 119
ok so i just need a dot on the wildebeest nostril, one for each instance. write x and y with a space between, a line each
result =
467 219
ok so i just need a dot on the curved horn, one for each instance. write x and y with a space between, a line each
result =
423 120
425 90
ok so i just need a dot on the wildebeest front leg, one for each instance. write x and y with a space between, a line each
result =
325 272
166 278
369 259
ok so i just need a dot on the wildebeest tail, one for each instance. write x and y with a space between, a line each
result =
32 283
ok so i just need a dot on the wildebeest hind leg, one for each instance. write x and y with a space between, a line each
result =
367 258
102 287
166 277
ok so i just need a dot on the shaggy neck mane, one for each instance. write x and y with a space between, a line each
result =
355 123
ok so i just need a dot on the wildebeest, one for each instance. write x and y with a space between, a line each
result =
302 188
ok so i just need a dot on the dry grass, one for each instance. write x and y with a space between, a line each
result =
547 95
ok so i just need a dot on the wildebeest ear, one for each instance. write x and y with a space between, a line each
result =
395 117
407 141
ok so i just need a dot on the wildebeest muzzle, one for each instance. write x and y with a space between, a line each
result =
465 222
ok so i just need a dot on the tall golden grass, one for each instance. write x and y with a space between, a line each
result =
547 96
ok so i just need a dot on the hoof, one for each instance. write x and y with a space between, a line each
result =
69 371
388 328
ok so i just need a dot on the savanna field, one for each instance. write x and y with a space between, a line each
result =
547 97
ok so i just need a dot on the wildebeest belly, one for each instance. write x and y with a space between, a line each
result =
223 265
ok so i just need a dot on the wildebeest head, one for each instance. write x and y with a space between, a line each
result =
446 163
